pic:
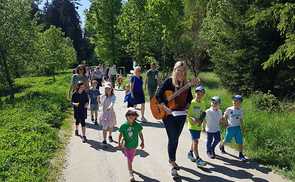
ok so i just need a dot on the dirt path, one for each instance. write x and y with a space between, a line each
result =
91 162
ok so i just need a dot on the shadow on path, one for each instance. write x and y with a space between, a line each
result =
245 165
152 124
99 146
145 178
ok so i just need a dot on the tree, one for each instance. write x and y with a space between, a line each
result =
168 17
63 14
54 52
102 21
245 37
192 48
16 36
135 29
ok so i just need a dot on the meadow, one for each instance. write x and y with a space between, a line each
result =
29 127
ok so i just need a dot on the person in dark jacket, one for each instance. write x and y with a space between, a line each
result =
174 123
80 102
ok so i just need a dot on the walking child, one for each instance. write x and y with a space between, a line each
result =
128 138
234 117
108 116
80 102
94 101
195 119
212 122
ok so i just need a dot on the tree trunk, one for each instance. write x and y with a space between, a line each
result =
7 75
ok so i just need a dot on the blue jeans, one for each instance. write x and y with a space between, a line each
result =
174 126
212 140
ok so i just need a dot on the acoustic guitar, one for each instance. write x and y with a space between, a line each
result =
158 110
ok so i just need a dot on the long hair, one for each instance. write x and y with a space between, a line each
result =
179 64
81 66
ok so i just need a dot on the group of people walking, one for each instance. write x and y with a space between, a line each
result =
187 109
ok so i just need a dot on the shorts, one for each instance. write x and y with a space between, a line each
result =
82 121
235 132
93 107
130 154
195 134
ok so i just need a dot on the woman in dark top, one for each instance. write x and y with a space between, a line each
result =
80 102
174 124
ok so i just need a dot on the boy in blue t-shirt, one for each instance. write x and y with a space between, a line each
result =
234 117
94 101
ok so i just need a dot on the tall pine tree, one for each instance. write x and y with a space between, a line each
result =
63 14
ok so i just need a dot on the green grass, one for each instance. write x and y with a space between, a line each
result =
29 128
269 136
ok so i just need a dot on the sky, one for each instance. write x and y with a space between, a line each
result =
85 4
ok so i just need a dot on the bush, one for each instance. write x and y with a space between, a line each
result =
266 102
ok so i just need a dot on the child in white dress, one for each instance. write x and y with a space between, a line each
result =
108 117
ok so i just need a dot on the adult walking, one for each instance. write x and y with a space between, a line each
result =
152 80
113 75
137 94
79 76
97 75
174 122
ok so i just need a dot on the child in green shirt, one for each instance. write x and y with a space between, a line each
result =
128 138
195 118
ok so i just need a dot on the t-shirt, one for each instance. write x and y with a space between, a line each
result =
80 112
152 77
138 84
195 110
213 120
234 116
97 74
93 94
130 134
76 78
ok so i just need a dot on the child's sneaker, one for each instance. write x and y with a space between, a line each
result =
84 139
92 118
191 157
104 142
242 157
76 133
131 177
111 139
200 162
221 147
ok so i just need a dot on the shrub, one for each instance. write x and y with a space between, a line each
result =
266 101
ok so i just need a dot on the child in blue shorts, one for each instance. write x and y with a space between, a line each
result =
234 117
196 115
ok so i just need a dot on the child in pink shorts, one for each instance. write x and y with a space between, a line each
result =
128 138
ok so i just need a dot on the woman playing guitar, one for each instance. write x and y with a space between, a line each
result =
174 123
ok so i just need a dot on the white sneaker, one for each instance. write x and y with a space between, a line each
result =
131 177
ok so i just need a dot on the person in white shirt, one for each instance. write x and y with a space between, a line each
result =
234 117
113 75
212 122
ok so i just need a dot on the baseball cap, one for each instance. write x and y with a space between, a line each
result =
131 110
200 88
108 85
216 99
238 98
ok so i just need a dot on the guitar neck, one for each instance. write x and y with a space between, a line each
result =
178 92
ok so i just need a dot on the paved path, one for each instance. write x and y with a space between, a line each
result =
90 162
